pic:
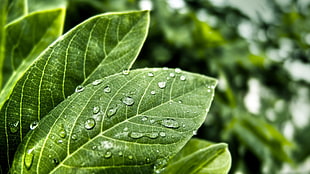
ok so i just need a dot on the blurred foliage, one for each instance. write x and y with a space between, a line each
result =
250 54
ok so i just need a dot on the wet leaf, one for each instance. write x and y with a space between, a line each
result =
135 136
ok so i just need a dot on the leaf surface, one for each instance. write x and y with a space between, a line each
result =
3 18
100 46
199 156
16 9
125 123
28 36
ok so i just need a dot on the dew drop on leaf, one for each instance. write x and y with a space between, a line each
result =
29 158
165 68
128 101
74 137
33 125
96 82
172 75
108 154
177 70
162 134
79 88
120 153
144 118
90 124
14 127
180 101
112 111
125 72
182 77
107 89
152 135
209 90
96 109
126 129
62 133
195 132
170 123
130 157
147 160
94 147
135 135
59 141
150 74
55 161
161 85
153 92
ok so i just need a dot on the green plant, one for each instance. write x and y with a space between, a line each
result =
74 106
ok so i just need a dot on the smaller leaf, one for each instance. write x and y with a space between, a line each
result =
199 156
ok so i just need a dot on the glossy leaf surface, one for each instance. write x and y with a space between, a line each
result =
131 122
200 157
101 46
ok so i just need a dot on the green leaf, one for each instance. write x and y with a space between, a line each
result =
125 123
3 18
39 5
16 9
28 36
262 138
199 156
100 46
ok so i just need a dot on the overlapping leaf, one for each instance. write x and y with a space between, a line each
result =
27 37
125 123
103 45
199 156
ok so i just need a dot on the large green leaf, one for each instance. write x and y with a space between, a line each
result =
101 46
125 123
28 36
201 157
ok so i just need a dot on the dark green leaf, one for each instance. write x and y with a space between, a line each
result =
28 36
3 17
101 46
199 156
125 123
16 9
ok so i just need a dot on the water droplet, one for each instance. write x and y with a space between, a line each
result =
152 121
209 90
170 123
112 111
125 129
55 161
74 137
180 101
90 124
162 134
182 77
128 101
147 160
125 72
62 133
130 157
153 92
144 118
150 74
161 84
33 125
94 147
96 82
107 89
165 68
195 132
172 75
14 127
96 109
108 154
28 158
79 88
120 153
152 135
135 135
177 70
59 141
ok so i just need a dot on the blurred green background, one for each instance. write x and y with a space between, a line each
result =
259 51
